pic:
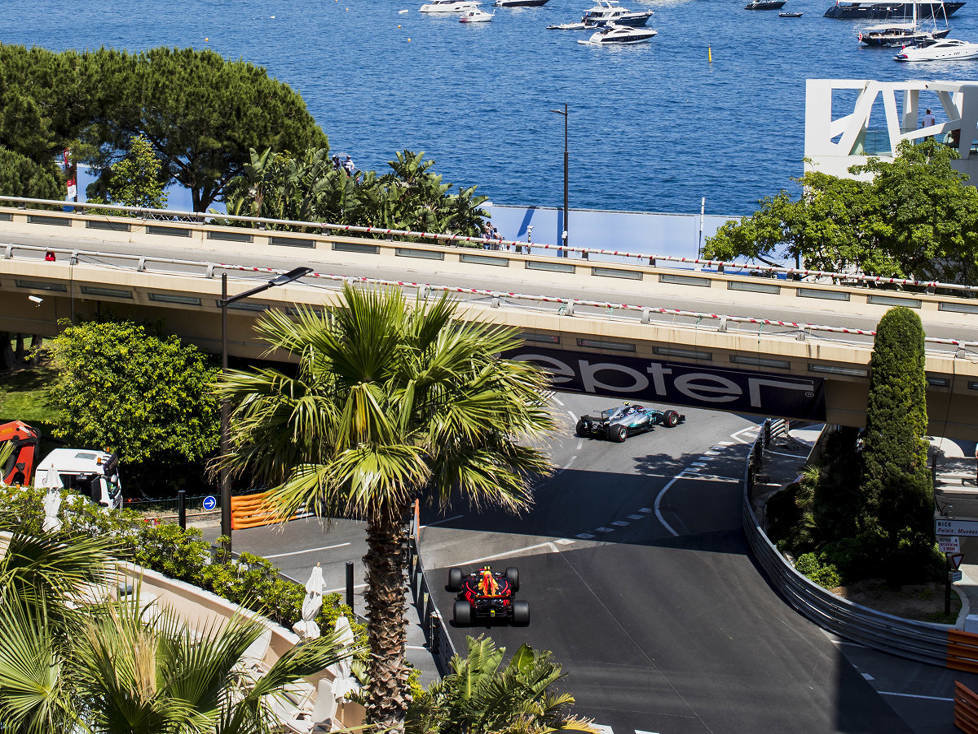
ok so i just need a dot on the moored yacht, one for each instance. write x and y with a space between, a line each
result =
948 49
475 16
608 12
891 9
449 6
900 34
619 35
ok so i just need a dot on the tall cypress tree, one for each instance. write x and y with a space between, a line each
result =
896 483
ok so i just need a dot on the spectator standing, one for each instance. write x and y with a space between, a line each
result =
928 119
348 165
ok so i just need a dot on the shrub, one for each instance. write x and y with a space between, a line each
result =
823 574
249 581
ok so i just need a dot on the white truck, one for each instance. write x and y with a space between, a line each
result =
93 474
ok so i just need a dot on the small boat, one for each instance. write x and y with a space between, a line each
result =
948 49
567 27
891 9
619 35
475 16
448 6
519 3
789 15
765 5
608 12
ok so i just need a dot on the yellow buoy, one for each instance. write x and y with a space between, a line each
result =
398 26
409 40
206 40
709 54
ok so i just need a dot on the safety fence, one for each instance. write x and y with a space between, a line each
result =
218 219
924 642
436 633
965 708
254 511
566 305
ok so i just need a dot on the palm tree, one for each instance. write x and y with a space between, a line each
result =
117 668
389 403
478 697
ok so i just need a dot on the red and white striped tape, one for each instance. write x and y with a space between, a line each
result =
800 326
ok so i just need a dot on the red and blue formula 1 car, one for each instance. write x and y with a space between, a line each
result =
487 595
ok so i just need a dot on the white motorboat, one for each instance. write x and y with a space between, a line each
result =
619 35
948 49
475 16
608 12
449 6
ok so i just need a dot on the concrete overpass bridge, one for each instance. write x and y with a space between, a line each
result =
601 322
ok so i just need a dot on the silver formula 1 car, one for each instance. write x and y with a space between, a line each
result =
617 424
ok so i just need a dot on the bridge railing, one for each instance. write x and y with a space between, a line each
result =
566 305
921 641
586 253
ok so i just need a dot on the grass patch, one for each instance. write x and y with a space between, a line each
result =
23 396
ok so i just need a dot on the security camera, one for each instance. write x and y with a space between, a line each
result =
36 300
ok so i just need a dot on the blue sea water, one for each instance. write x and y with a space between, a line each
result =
653 127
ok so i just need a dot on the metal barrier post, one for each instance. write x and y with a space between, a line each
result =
182 508
349 584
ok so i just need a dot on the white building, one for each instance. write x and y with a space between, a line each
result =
883 115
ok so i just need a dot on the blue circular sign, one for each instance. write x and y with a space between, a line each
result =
210 502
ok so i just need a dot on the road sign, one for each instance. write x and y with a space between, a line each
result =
949 543
967 528
955 559
210 502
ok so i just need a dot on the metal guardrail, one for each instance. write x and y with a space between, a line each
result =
920 641
566 305
450 239
436 633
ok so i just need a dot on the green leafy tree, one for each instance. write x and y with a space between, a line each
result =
918 217
113 667
388 403
200 113
134 181
481 696
896 482
144 396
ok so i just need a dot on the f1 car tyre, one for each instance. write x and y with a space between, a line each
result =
462 613
618 433
579 430
455 579
521 613
513 576
670 419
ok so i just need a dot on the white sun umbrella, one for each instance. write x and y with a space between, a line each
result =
343 682
312 605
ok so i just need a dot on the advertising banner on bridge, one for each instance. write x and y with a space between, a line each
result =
699 386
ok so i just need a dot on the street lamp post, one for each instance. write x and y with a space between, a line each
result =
563 235
283 279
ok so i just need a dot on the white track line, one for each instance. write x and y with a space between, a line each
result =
658 501
308 550
781 453
914 695
341 588
549 544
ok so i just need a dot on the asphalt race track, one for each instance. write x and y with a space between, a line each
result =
649 598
